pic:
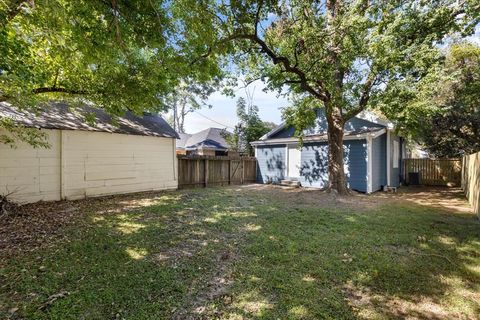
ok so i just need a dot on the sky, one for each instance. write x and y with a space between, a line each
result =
223 111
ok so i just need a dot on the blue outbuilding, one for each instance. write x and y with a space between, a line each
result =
373 154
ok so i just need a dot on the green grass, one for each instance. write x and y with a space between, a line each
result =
233 254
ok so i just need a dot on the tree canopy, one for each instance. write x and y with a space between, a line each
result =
338 54
442 111
117 54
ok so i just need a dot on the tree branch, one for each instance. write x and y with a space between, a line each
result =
364 97
56 89
13 10
118 32
257 16
285 62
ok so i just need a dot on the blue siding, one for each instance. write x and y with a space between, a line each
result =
270 163
379 162
286 132
321 126
314 164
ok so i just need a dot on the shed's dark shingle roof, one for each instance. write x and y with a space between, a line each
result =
58 115
208 138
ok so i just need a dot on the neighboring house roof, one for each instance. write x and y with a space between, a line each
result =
211 138
59 115
182 140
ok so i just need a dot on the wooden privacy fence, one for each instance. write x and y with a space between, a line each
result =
203 171
471 180
434 172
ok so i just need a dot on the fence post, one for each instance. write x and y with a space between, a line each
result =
197 171
206 172
229 171
243 172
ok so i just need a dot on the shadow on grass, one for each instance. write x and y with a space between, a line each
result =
226 253
394 262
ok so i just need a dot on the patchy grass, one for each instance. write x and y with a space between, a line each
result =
248 252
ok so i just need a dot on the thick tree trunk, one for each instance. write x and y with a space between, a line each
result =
336 172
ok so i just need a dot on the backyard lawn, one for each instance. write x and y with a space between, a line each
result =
241 253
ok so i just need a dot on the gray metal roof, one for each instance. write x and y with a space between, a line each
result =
209 138
58 115
181 142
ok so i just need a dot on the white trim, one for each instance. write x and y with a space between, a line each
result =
273 131
372 117
378 133
369 165
317 138
256 151
389 161
286 161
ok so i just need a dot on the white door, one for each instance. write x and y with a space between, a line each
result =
294 158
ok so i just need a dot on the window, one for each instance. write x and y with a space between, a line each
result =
395 154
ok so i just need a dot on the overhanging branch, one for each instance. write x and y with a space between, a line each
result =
285 62
57 89
364 97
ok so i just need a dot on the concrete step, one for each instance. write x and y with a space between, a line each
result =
290 183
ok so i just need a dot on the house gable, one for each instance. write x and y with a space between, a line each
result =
321 126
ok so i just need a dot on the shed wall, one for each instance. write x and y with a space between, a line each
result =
29 174
87 164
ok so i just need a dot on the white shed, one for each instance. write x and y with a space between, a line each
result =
86 160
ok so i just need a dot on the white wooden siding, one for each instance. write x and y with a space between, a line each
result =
89 164
31 174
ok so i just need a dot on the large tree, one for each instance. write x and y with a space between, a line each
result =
118 54
338 54
442 110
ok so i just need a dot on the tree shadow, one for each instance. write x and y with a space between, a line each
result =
274 171
226 252
395 262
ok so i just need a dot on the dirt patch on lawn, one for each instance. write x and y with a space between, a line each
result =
369 305
444 198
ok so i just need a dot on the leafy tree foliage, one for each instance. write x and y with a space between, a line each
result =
32 136
336 53
249 128
443 110
117 54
